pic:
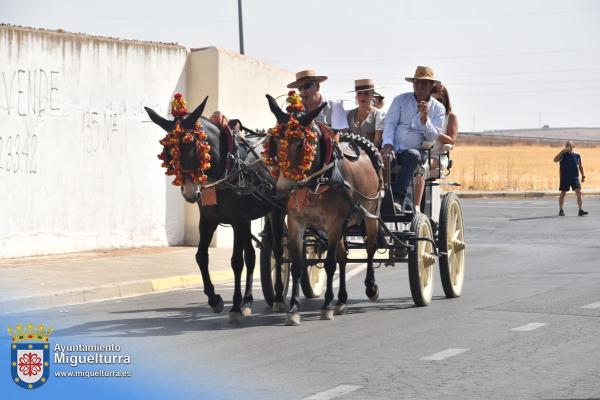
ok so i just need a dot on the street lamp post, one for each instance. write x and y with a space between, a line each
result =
241 26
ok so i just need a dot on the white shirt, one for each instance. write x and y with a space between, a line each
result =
333 114
402 125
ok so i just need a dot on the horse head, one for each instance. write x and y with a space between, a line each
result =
291 148
187 149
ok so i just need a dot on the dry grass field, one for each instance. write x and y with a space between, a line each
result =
517 167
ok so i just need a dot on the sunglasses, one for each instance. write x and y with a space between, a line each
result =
306 86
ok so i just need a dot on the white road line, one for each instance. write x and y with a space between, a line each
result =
442 355
523 208
529 327
336 392
351 274
592 305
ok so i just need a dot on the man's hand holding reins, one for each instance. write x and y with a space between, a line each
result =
388 151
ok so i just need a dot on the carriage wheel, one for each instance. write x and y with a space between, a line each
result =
314 277
267 267
452 242
421 261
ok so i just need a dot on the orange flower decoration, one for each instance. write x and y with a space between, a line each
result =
280 161
171 153
178 106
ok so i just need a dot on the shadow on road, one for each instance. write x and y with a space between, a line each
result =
529 218
171 321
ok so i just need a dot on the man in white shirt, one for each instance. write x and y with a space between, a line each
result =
411 119
308 84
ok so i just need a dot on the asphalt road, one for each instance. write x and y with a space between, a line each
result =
526 327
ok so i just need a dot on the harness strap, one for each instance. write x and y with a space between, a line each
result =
350 187
232 175
318 173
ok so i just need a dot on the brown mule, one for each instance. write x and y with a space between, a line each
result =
328 207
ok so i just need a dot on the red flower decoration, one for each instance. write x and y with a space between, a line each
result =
174 138
293 129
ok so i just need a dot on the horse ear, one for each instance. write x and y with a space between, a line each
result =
160 121
190 121
282 117
307 118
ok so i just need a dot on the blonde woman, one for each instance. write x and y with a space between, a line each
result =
366 120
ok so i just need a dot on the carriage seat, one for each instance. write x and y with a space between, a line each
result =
443 157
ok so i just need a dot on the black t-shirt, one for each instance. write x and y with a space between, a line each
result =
569 165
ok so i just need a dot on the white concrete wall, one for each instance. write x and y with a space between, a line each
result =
78 166
236 86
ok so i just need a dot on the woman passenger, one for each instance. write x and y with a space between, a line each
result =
366 120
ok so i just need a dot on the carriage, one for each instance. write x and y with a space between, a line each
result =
231 185
420 239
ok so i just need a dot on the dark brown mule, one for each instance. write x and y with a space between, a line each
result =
232 206
352 200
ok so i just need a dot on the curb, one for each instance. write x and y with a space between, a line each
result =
110 292
141 287
485 194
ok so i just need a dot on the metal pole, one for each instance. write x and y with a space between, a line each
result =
241 27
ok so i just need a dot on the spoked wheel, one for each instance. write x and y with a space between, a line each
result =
267 267
421 261
452 242
314 277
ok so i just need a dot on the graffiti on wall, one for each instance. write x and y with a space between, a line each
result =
98 128
17 153
29 92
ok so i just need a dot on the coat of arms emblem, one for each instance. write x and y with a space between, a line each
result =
30 355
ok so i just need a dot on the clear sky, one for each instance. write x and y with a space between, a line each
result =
507 64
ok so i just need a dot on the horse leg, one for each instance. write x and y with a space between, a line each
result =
295 241
334 233
276 223
250 261
340 307
237 264
371 289
207 229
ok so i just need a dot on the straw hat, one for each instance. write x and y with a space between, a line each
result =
423 74
306 76
362 85
378 95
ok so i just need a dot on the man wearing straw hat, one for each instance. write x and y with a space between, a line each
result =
308 84
411 119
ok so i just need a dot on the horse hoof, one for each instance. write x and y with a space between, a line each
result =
375 295
292 319
340 309
217 308
327 315
235 316
246 311
279 307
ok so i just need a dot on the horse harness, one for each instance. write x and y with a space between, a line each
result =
330 175
239 174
